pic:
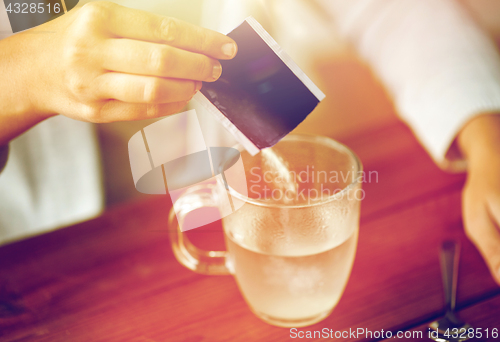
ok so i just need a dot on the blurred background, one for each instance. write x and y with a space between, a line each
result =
355 100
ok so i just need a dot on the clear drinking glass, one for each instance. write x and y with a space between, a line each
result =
292 243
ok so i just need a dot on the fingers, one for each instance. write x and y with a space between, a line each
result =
130 23
143 58
113 110
484 233
144 89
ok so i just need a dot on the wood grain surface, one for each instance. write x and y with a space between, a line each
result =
115 278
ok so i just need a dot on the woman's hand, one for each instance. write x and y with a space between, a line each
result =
479 141
113 63
103 62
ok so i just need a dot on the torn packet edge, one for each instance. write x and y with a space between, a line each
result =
285 58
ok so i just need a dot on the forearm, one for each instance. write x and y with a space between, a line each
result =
439 67
20 86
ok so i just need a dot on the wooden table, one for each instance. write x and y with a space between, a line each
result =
115 278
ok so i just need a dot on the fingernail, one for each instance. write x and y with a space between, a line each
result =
229 49
217 71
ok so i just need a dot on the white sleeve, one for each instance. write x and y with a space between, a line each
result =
440 68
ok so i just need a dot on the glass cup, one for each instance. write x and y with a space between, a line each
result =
292 243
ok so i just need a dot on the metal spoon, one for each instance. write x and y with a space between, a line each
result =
450 327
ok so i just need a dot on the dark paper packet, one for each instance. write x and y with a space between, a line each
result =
262 95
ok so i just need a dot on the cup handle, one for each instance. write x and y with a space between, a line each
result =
198 260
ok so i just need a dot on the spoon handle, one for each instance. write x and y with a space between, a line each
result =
450 251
